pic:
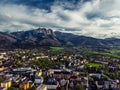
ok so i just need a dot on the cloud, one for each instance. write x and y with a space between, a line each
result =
95 18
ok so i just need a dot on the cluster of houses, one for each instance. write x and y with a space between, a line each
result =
61 77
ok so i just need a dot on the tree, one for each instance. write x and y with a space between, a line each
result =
12 88
32 88
79 87
1 79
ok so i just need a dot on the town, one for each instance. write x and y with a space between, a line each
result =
59 44
59 69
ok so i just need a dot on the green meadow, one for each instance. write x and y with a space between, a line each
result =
93 65
57 48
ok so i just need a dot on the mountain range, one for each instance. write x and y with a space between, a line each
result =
47 37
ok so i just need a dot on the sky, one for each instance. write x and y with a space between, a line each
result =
94 18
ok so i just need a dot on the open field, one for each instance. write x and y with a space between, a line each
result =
110 53
94 64
56 48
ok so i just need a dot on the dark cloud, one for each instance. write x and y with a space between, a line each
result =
93 15
45 4
84 17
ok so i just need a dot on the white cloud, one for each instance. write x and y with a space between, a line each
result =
104 23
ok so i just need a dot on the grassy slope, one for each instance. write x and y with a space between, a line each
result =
111 53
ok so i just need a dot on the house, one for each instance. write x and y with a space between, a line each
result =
102 62
62 74
63 82
38 80
2 55
2 88
62 66
1 62
6 84
2 68
54 58
42 87
24 86
51 87
39 73
51 81
112 67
